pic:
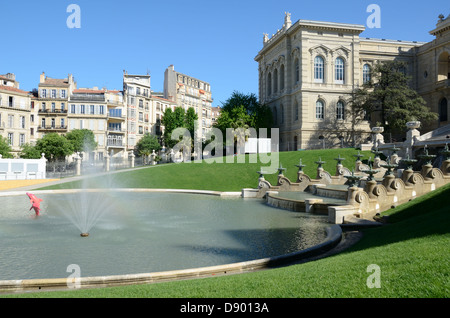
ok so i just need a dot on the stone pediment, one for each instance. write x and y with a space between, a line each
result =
341 51
321 50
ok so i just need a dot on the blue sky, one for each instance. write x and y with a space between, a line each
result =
212 40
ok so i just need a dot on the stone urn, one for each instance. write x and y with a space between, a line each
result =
413 124
377 130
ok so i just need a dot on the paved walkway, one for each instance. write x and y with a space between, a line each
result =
18 184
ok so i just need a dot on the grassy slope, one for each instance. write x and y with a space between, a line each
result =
221 176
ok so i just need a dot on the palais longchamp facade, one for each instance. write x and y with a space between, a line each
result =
308 70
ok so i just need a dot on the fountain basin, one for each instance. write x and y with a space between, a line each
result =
148 231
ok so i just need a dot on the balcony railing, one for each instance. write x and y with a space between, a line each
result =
116 130
15 106
115 143
88 98
53 111
40 128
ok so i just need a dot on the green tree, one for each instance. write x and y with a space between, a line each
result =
55 147
178 118
29 151
244 110
5 148
82 140
147 144
390 95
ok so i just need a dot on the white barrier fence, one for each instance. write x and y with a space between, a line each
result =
22 169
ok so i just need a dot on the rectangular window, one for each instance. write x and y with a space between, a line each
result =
63 123
72 108
11 138
44 93
82 110
53 107
92 109
63 107
53 93
63 93
21 139
10 121
22 121
102 109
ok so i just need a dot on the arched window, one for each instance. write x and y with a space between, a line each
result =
282 114
297 71
318 69
295 143
319 109
339 71
282 77
340 110
366 73
275 81
269 84
443 113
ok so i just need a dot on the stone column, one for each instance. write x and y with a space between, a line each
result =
377 137
78 164
107 162
132 160
411 135
153 156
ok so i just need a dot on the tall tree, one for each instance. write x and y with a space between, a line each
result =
178 118
147 144
83 140
244 110
29 151
390 94
5 148
54 146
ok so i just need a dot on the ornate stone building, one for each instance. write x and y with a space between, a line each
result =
308 70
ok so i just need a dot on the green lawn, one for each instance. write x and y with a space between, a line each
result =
222 176
412 253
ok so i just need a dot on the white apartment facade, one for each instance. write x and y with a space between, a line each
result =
15 113
137 97
186 92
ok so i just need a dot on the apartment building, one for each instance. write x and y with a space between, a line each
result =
116 137
15 113
137 93
187 91
215 113
159 106
51 105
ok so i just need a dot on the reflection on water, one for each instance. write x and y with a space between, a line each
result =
147 232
